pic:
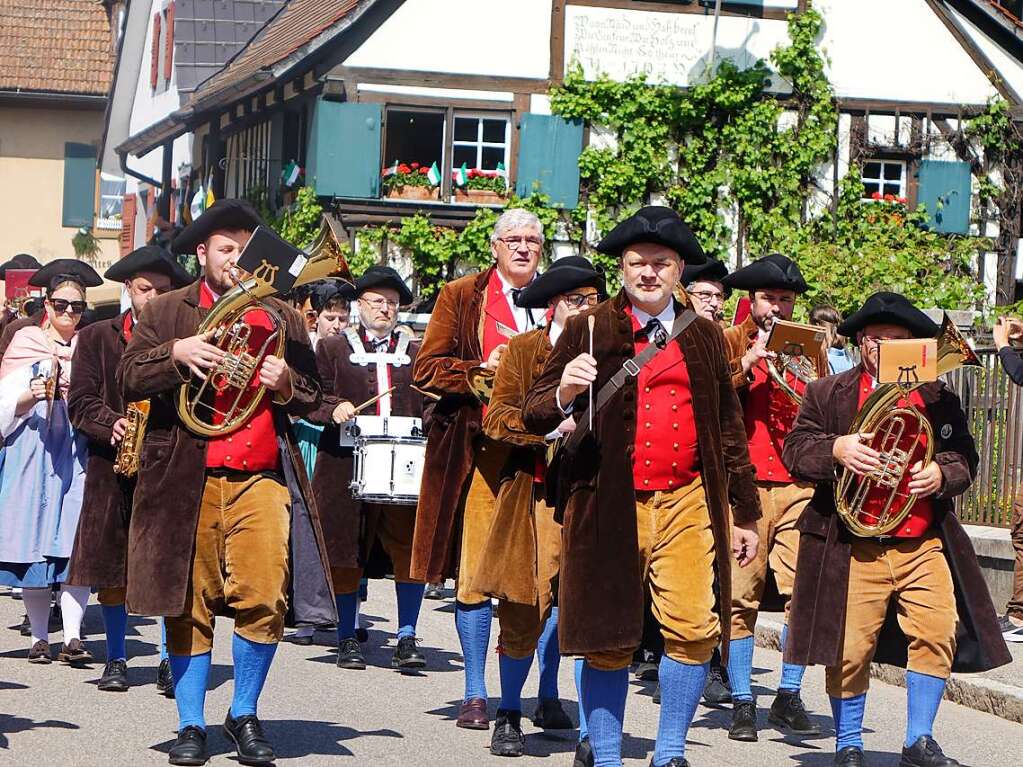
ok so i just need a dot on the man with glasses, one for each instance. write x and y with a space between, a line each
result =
97 408
773 283
703 285
519 564
472 322
356 366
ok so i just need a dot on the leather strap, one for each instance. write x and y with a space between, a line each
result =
629 369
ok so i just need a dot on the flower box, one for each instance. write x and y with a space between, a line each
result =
409 192
479 196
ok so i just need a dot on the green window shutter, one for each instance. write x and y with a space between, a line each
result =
945 192
79 185
549 150
344 150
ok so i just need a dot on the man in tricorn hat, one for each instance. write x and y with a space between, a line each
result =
220 523
10 321
357 366
519 563
703 284
658 495
773 284
97 409
845 583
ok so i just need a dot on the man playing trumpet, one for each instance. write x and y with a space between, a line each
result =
925 563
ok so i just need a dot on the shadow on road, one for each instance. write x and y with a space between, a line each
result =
10 725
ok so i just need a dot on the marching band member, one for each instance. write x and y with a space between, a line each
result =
13 311
97 410
213 519
331 306
519 564
845 584
472 321
645 493
703 284
355 367
36 317
41 444
773 283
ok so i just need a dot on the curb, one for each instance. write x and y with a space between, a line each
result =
1002 700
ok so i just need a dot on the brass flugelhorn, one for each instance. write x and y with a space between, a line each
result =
231 379
876 504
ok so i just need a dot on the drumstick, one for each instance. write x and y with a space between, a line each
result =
589 322
371 400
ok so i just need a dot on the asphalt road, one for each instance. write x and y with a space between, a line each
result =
317 714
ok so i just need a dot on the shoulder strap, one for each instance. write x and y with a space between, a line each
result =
630 368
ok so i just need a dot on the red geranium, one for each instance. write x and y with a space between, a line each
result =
415 166
403 168
423 171
875 196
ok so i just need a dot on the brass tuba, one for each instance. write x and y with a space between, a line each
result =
129 452
234 374
876 504
800 366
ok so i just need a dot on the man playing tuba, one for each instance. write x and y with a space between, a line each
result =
926 564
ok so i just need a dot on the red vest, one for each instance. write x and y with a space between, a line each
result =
129 326
666 454
922 514
253 447
496 309
769 414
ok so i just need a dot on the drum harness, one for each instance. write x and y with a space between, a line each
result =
398 358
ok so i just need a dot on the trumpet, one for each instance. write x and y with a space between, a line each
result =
129 452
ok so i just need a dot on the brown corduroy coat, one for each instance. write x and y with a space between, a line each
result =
601 592
172 475
99 556
508 567
452 344
817 611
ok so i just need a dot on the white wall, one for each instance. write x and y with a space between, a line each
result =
1008 67
897 50
484 37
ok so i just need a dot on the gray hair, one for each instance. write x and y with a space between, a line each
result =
515 218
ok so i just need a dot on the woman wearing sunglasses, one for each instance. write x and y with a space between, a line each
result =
42 463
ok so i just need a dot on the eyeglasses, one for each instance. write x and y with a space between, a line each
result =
533 243
707 295
582 299
62 305
311 314
380 303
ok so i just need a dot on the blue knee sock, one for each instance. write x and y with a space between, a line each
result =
163 639
251 663
603 697
473 625
923 696
681 687
410 599
347 609
191 673
791 674
115 622
740 668
363 589
513 676
848 716
548 658
583 732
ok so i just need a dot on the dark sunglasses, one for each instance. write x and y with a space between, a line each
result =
61 305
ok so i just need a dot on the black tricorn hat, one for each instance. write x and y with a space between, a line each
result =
711 271
382 277
564 274
657 224
222 214
886 308
20 261
65 269
773 271
149 258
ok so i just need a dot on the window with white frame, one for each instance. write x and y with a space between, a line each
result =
884 177
480 141
111 201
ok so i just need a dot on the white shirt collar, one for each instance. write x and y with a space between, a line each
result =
555 332
507 287
666 317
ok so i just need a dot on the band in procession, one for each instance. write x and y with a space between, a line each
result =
585 461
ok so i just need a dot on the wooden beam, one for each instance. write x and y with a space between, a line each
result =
424 79
778 14
557 70
404 99
907 108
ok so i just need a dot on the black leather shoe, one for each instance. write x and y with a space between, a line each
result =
407 655
349 654
675 761
165 679
850 756
250 743
189 748
115 677
788 711
362 634
656 697
434 591
647 667
744 721
550 715
73 653
508 739
716 692
926 752
583 754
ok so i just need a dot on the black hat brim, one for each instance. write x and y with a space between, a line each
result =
226 214
149 258
72 268
384 277
556 281
889 309
658 225
773 272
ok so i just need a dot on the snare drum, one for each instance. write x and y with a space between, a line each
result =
380 426
388 469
